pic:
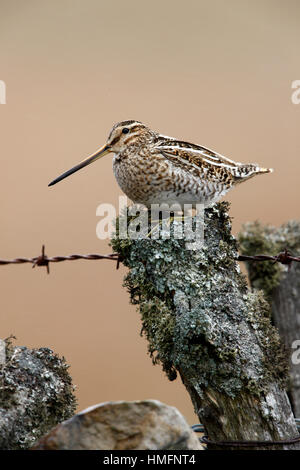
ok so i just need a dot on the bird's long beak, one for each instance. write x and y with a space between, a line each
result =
92 158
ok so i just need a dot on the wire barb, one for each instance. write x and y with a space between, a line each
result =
42 260
285 257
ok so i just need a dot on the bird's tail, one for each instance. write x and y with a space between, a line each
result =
244 172
264 170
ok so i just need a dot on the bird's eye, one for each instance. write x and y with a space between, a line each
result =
125 130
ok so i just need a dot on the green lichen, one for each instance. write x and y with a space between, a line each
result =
256 238
198 316
259 316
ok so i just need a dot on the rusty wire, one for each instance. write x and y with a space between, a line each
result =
205 440
44 260
284 257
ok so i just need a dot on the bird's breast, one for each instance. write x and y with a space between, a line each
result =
139 175
151 179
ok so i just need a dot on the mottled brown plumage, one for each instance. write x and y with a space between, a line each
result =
153 169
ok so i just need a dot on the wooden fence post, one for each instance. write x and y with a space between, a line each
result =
202 322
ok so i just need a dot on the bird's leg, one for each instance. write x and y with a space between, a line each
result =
164 223
154 223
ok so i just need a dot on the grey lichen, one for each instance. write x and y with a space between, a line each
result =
281 285
36 393
197 313
257 238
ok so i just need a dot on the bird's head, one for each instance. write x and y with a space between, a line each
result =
122 135
126 133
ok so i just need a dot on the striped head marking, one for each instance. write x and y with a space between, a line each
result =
126 132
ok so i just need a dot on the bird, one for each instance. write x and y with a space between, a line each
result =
152 168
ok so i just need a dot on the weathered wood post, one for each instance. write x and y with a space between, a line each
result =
281 285
202 322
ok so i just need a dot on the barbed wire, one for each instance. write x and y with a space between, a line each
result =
285 257
44 260
200 428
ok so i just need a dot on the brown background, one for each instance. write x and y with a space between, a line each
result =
217 73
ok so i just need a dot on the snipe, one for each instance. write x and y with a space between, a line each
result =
153 169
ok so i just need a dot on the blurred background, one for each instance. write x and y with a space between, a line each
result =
214 72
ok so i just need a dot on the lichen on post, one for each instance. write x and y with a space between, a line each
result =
202 322
281 286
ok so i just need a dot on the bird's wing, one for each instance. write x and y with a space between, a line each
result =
194 154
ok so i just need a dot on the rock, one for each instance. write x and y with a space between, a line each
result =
36 393
138 425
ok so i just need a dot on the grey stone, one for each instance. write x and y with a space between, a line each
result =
123 425
36 393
